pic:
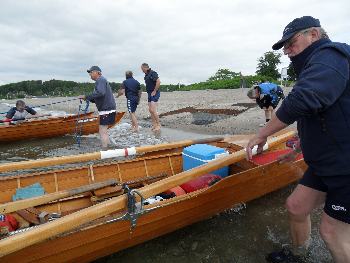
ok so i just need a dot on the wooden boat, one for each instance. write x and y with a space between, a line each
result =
120 227
46 128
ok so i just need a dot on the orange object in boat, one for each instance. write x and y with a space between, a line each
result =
177 190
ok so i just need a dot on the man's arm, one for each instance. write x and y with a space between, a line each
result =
100 90
156 88
121 91
31 111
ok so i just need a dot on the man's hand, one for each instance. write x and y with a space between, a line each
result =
154 92
256 140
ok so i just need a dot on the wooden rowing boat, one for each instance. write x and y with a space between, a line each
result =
120 229
46 128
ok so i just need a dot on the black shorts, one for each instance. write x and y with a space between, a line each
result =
337 204
266 102
107 119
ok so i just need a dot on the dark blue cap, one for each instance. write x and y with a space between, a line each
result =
294 27
94 68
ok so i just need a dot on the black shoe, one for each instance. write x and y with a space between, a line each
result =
284 255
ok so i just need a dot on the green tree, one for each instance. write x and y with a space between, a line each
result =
223 74
268 63
291 73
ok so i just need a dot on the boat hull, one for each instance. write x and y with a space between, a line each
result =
53 127
247 181
103 239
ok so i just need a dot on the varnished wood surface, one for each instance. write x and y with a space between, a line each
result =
100 240
52 127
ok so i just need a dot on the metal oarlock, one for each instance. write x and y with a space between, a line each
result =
134 210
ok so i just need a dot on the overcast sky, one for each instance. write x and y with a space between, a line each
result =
183 40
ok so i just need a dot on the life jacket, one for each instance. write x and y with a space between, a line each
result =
7 224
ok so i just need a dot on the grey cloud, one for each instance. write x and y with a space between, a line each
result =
184 41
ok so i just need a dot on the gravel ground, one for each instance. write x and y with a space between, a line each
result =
226 111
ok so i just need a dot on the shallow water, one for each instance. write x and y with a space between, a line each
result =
242 234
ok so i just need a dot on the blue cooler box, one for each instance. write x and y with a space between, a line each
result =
198 154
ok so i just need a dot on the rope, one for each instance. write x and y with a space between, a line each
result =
79 128
52 103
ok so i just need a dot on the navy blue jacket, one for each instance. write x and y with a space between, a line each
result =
102 95
320 103
151 80
132 88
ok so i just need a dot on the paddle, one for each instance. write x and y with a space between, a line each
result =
101 155
69 222
35 201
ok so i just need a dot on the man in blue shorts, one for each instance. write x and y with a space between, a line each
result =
132 90
320 104
152 87
103 97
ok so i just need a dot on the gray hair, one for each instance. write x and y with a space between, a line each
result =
128 74
323 34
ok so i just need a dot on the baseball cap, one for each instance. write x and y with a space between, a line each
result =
94 68
294 27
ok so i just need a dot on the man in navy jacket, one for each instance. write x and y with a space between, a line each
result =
103 97
320 104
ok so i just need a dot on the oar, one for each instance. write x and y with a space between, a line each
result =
100 155
69 222
30 202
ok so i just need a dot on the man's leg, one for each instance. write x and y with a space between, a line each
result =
336 235
299 205
152 117
153 111
268 113
103 131
135 126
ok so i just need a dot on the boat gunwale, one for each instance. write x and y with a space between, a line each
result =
36 122
8 177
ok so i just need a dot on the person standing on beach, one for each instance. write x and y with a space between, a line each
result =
103 97
267 95
152 87
320 103
132 90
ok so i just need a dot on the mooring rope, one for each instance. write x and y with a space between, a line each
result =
52 103
79 128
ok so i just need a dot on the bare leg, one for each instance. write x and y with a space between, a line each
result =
299 205
135 126
268 112
336 235
154 115
103 131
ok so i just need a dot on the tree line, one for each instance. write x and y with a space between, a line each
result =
222 79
